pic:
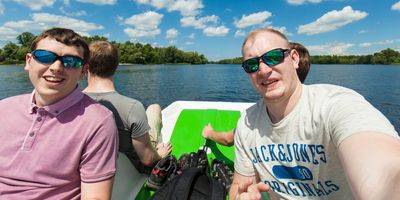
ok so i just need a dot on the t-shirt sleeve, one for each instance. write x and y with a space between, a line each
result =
138 120
243 164
350 113
98 161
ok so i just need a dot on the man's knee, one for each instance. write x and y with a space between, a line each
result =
153 113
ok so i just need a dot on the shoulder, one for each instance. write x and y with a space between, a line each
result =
255 110
249 116
328 90
118 98
326 95
14 101
92 107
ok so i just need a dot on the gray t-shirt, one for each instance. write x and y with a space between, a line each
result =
130 117
298 155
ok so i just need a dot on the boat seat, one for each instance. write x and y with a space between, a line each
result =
128 181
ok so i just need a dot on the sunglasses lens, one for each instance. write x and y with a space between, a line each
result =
48 57
44 57
72 62
273 57
250 65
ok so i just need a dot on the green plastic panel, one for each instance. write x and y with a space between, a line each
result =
186 136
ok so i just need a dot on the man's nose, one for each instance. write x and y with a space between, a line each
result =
264 68
57 66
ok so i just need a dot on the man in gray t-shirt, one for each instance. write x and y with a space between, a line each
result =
130 115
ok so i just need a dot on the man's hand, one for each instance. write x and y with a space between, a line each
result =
164 150
251 191
207 130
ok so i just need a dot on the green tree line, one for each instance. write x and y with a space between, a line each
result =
385 57
137 53
132 53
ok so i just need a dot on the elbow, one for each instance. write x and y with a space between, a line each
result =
229 142
147 161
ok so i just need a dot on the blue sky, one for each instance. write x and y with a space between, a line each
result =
215 28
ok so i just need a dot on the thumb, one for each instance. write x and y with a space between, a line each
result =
244 185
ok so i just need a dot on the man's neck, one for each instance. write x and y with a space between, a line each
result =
98 84
280 109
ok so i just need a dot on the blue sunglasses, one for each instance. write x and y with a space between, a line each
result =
48 57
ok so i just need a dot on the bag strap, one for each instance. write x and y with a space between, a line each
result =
218 191
186 182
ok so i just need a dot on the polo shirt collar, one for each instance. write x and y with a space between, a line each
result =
60 106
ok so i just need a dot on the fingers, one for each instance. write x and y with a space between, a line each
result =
259 187
164 149
244 185
249 190
206 130
160 145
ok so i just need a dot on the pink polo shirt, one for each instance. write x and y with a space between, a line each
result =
46 152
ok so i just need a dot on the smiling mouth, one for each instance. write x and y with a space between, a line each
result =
53 79
269 82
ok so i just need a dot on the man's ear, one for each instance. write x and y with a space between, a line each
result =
295 57
28 58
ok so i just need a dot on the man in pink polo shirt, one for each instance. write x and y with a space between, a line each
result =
56 143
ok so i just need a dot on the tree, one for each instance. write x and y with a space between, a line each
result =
25 39
94 38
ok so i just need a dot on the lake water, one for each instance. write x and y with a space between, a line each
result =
164 84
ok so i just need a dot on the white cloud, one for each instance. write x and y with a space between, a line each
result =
172 33
137 33
199 23
172 42
362 31
145 21
369 44
145 25
365 44
99 2
191 36
73 14
36 4
67 22
159 4
42 21
240 33
252 19
330 49
1 9
27 25
300 2
189 43
396 6
7 34
332 21
216 31
185 7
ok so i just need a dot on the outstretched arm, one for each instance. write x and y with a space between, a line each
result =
224 138
372 164
147 153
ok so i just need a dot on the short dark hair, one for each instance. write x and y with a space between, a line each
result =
103 61
304 60
65 36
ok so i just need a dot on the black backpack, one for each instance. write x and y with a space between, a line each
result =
192 184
